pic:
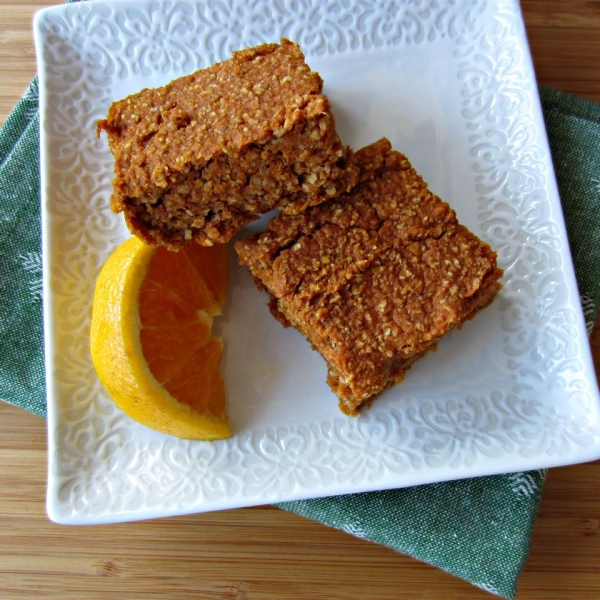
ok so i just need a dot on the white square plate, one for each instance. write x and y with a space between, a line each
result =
452 85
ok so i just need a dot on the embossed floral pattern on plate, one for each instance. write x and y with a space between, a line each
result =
451 84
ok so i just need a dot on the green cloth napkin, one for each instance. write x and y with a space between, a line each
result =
478 529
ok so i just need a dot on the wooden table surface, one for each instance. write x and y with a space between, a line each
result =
263 552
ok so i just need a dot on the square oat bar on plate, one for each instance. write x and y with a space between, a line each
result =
373 278
198 158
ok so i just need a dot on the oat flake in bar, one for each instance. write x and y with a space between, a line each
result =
197 159
375 278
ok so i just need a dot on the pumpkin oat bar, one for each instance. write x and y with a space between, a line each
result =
374 278
197 159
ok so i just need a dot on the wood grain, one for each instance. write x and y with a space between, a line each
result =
265 553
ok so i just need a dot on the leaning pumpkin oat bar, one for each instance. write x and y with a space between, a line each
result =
197 159
374 278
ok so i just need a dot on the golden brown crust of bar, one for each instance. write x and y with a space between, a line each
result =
374 278
197 159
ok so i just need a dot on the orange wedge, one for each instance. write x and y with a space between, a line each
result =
151 337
